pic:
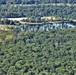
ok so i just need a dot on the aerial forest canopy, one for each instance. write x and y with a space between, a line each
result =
47 51
35 1
38 52
37 8
65 11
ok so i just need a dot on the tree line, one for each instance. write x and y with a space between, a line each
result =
35 1
66 12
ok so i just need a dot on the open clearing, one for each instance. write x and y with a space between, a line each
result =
57 4
18 19
6 27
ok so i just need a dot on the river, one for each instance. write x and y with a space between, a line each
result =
46 26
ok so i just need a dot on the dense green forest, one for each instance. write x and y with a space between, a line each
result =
35 1
16 10
39 52
33 12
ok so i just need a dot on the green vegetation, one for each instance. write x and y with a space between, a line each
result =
50 52
35 1
34 10
5 34
37 11
37 52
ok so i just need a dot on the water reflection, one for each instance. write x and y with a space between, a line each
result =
46 26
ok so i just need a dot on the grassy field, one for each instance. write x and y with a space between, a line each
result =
6 27
5 35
